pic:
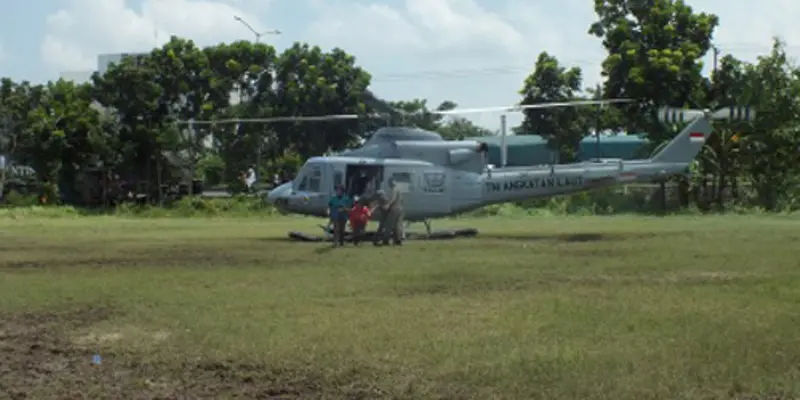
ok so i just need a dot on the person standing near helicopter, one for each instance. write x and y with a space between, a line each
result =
392 215
338 209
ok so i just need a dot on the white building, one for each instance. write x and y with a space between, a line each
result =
105 60
76 76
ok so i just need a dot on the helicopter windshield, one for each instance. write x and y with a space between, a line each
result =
309 179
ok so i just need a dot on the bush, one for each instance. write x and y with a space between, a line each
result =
599 202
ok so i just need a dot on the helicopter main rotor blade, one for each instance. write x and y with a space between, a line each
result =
517 108
275 119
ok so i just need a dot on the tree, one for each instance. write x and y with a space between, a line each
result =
721 157
564 127
62 133
416 113
131 91
311 82
188 92
771 143
458 128
247 70
654 55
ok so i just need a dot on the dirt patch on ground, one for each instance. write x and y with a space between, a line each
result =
39 359
174 255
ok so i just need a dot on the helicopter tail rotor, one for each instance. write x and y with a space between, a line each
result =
678 115
744 113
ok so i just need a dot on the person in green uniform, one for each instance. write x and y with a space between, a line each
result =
338 209
392 215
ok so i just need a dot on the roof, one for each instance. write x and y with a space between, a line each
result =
521 140
400 133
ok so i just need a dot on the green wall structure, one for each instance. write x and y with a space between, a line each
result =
532 149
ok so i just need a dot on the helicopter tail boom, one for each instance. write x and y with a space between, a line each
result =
685 147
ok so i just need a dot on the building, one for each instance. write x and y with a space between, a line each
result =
104 61
76 76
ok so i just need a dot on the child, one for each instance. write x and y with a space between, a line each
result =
359 217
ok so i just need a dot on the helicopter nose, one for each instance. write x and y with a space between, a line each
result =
278 196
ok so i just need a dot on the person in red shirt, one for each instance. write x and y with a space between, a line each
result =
359 217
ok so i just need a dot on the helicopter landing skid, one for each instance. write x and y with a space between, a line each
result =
371 236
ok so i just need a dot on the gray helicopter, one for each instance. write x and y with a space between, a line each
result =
442 178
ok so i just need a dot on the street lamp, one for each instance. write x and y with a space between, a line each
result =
257 34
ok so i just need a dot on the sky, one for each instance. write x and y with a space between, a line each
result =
474 52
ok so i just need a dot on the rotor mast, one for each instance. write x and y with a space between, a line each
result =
503 148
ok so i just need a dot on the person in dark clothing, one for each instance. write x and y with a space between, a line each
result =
338 208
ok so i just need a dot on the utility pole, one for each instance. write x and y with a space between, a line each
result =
715 50
597 129
258 36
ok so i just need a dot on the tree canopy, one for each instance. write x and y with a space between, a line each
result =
131 120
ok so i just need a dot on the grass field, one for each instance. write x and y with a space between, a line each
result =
551 308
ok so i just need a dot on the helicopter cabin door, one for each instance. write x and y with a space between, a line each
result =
362 178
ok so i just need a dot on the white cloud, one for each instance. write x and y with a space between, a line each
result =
497 39
377 27
84 28
455 27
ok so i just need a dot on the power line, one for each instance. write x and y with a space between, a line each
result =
470 72
515 69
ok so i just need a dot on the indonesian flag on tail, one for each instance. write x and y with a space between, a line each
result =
697 136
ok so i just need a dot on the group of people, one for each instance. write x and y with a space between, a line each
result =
358 211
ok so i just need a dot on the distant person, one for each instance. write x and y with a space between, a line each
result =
359 218
276 180
338 209
360 183
250 179
392 216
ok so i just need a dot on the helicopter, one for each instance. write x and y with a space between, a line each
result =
441 178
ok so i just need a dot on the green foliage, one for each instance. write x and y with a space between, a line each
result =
417 114
212 169
563 127
655 51
237 206
614 201
129 124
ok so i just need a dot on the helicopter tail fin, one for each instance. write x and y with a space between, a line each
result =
689 142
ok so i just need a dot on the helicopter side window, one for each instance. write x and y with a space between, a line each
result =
315 183
403 180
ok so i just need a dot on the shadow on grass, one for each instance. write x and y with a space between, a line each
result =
580 237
